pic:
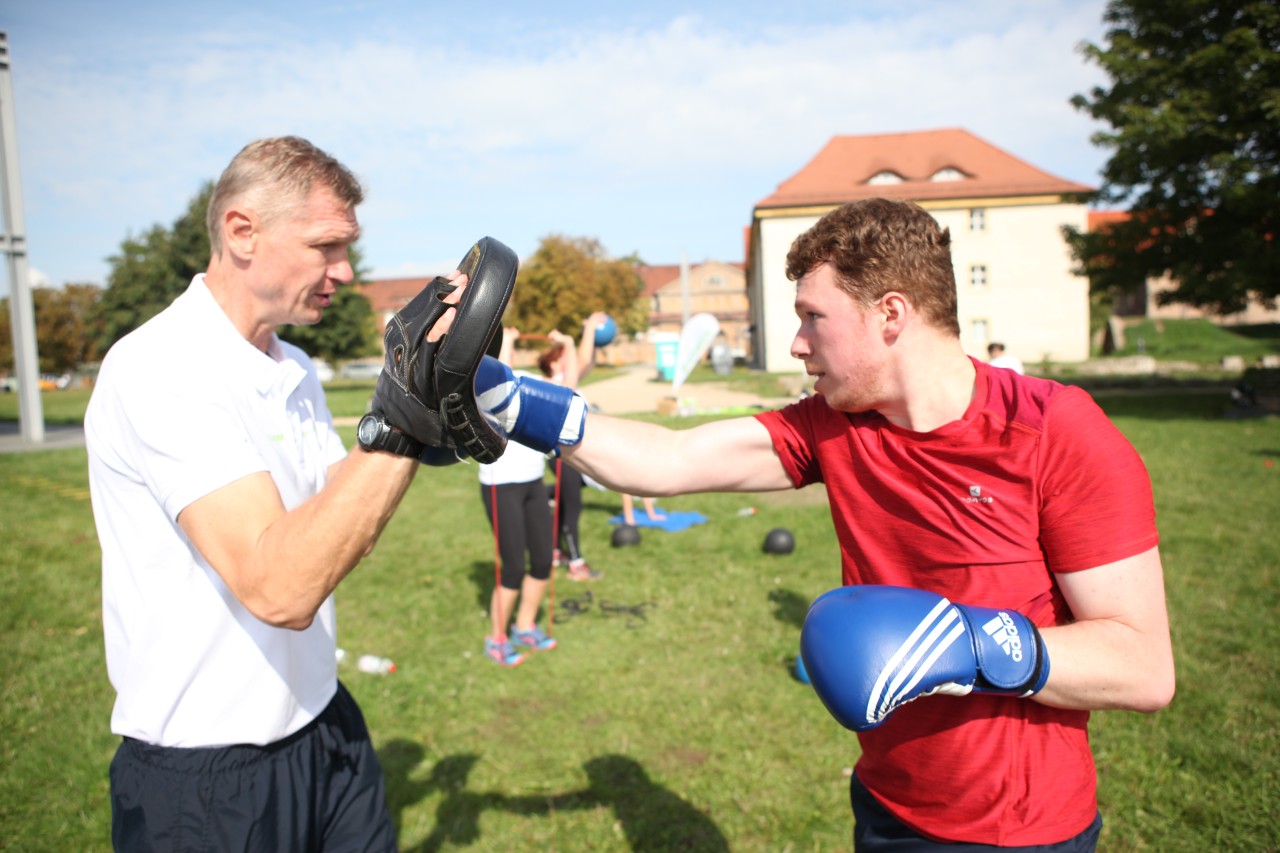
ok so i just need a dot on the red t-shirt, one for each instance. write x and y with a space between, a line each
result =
1032 481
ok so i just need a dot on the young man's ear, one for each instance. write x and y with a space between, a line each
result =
894 309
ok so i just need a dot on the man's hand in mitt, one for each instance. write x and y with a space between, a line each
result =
419 374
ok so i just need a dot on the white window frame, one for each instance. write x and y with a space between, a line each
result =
980 331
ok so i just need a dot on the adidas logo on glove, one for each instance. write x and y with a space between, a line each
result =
1004 632
868 650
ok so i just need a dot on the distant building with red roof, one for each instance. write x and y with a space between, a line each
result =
1013 269
713 287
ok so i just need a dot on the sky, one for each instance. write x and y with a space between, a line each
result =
654 130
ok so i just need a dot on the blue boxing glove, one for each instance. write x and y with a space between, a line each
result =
871 649
538 414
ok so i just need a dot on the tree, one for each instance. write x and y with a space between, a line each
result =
65 336
152 270
566 280
1194 107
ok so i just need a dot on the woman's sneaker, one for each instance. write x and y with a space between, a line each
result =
535 639
502 652
580 571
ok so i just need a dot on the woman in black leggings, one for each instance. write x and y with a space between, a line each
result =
565 364
515 501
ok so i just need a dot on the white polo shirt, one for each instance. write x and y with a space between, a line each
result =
183 406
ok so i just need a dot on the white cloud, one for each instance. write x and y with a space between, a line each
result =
658 138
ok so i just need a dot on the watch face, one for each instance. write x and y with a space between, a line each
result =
368 430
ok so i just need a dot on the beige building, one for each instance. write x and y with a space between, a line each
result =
714 287
1012 266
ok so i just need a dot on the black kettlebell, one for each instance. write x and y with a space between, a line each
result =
779 541
625 534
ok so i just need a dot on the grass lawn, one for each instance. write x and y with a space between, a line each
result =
1200 340
667 719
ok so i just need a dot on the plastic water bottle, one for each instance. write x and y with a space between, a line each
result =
747 510
375 665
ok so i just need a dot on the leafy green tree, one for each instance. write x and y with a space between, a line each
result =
566 280
1194 110
154 269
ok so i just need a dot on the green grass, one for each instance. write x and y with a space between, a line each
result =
667 719
1200 340
60 407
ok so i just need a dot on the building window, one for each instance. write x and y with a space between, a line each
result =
978 275
885 177
977 219
947 174
978 332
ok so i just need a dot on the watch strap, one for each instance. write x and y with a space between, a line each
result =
392 440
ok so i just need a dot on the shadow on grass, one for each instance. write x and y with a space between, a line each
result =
650 816
1161 405
789 607
484 579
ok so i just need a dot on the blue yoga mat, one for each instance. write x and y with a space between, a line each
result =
673 522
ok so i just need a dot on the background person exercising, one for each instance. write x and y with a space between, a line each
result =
566 364
515 502
943 474
228 511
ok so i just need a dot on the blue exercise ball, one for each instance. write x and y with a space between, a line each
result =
606 332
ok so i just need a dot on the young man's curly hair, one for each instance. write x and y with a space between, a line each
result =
877 246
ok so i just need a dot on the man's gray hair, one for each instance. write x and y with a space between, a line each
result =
274 176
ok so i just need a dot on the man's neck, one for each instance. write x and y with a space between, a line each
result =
230 294
936 385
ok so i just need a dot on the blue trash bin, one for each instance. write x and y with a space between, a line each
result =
666 355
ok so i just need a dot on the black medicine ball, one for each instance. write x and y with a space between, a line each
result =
779 541
625 534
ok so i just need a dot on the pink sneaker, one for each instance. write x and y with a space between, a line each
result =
580 571
502 653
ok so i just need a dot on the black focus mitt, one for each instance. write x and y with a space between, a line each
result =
420 377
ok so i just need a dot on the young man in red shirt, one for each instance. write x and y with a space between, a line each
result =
949 481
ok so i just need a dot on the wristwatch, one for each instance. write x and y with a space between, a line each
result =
374 433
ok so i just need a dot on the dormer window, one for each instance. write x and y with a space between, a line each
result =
885 177
948 174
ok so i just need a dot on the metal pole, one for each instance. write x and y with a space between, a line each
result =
13 242
684 289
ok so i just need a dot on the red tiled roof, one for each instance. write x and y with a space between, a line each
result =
841 171
657 277
1100 218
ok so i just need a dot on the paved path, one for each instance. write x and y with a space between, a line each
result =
56 437
635 389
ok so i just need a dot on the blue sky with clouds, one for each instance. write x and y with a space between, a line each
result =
654 129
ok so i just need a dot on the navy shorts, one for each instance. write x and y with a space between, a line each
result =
320 789
876 830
